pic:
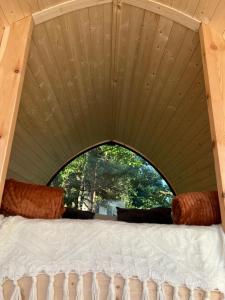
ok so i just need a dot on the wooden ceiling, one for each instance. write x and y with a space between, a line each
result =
115 71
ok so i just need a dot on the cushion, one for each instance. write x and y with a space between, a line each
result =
32 200
197 208
158 215
72 213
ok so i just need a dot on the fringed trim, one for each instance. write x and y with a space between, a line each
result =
16 295
207 295
176 295
80 294
145 291
126 290
191 295
1 292
95 288
33 291
160 292
51 292
66 292
111 292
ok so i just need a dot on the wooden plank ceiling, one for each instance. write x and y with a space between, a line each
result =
116 73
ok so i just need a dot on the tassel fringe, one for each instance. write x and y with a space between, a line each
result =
80 294
66 292
1 292
16 293
111 293
160 292
145 292
95 288
207 295
51 292
191 295
126 290
176 295
33 291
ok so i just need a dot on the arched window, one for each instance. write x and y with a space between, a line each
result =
110 176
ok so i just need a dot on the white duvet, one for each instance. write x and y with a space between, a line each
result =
181 255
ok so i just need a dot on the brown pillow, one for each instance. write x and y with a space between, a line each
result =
157 215
198 208
31 200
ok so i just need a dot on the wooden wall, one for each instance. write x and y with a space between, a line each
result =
115 72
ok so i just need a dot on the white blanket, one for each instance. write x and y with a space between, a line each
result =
180 255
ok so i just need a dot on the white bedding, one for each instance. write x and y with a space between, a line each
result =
181 255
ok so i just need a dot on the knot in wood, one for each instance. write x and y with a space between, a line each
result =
213 46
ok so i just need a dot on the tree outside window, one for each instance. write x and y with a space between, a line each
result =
109 176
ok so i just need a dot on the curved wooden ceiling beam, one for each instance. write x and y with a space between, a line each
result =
153 6
167 11
64 8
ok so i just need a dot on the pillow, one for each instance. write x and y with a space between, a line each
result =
31 200
72 213
158 215
198 208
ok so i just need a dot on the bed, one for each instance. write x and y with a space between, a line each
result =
98 259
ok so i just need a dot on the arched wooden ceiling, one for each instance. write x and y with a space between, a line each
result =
122 73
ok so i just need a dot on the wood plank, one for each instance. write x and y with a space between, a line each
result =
218 19
3 24
167 11
12 70
64 8
213 55
11 10
29 6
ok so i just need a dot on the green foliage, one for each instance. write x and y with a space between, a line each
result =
112 173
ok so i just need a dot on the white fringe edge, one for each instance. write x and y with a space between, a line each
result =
176 295
126 290
207 295
95 288
80 294
16 295
51 290
1 292
33 291
145 291
111 290
160 292
66 292
126 295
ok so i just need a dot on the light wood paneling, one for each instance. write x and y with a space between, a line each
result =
115 72
66 103
12 70
213 49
